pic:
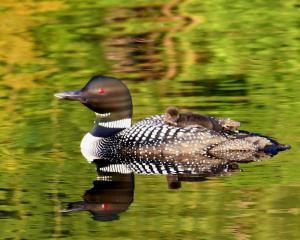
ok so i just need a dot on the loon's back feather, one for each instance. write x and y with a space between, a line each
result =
152 139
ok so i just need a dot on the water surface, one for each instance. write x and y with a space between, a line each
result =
236 59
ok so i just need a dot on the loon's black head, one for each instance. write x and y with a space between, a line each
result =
106 96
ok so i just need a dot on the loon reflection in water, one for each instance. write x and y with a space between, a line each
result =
152 140
113 191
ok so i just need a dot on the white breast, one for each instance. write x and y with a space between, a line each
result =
89 147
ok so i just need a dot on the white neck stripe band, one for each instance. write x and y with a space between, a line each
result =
123 123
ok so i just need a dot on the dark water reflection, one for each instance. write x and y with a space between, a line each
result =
237 59
145 51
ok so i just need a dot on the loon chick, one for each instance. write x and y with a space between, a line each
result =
152 139
174 117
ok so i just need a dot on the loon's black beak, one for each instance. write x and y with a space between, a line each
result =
71 95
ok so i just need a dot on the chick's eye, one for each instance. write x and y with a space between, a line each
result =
101 91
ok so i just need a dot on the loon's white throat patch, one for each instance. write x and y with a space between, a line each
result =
122 123
103 114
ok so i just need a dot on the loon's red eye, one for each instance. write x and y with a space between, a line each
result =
101 91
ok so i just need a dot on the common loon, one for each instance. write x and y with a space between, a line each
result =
174 117
152 139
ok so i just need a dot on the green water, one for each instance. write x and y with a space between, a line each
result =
238 59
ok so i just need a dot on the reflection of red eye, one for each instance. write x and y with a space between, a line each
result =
105 206
101 91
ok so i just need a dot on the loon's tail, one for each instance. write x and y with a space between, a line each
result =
269 149
275 148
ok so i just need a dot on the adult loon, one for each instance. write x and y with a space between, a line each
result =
152 139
